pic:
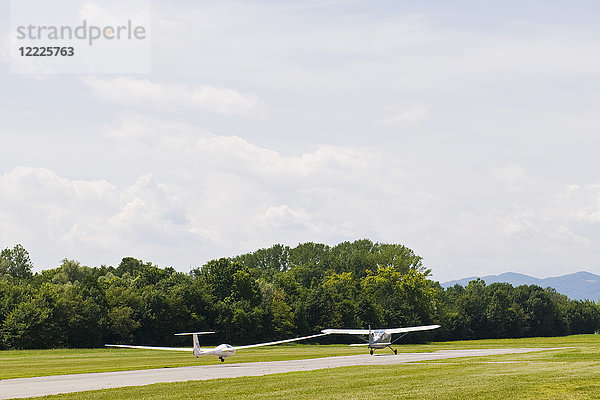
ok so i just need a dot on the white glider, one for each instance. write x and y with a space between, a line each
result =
222 351
380 338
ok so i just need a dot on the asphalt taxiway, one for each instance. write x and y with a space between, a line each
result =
46 385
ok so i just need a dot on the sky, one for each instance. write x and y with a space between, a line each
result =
467 131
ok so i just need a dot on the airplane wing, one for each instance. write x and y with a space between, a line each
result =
194 333
190 349
412 329
346 331
388 331
279 341
128 346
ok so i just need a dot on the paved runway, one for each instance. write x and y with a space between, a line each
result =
41 386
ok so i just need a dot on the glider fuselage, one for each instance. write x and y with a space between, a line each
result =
221 351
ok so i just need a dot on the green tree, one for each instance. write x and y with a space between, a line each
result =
504 317
15 262
122 324
283 316
70 271
244 288
218 274
79 315
31 324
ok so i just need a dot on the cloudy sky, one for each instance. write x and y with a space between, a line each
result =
466 131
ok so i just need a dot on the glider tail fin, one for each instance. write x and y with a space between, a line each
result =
197 349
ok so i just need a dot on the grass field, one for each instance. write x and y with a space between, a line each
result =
570 373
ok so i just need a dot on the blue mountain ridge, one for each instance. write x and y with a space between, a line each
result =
578 286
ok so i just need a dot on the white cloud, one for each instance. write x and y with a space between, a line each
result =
248 196
221 195
144 93
217 194
153 212
26 185
45 208
191 149
514 176
591 212
410 115
578 204
74 217
285 218
229 192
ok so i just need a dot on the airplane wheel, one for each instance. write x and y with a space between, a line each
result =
222 359
396 352
371 351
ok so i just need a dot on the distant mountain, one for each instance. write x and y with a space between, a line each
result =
578 286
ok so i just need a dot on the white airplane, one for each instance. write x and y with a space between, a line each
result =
380 338
222 351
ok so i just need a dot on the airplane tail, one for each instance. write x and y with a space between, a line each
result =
197 349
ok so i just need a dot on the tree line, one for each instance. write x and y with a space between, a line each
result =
272 293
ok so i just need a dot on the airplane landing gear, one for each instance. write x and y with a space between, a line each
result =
394 350
222 359
372 351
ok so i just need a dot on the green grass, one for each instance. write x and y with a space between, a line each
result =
570 373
